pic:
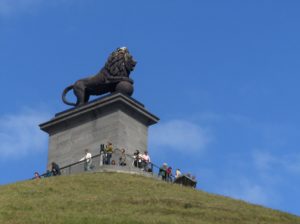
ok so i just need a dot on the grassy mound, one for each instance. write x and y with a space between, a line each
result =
124 198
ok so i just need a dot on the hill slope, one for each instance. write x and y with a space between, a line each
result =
124 198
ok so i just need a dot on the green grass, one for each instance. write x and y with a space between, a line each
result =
124 198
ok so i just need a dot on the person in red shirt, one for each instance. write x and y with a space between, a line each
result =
169 174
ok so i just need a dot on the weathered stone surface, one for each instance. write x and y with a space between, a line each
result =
115 118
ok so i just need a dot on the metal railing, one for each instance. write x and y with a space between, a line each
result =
132 165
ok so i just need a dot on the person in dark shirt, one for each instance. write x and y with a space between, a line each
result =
163 171
55 169
36 175
137 161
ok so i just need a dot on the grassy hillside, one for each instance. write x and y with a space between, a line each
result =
123 198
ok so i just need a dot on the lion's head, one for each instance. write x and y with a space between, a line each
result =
120 62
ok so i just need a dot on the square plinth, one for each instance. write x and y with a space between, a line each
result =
115 118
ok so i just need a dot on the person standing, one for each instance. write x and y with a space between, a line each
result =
177 173
163 171
102 155
137 161
109 151
122 159
87 160
169 174
145 161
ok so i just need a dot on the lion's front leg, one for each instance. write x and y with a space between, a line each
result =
86 97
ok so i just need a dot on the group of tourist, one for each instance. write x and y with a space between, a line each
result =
105 157
53 170
165 172
140 160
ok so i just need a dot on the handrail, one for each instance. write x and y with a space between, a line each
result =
132 157
153 165
98 155
78 162
72 164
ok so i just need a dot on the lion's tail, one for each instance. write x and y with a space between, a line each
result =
66 90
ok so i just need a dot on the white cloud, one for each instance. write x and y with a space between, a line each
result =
180 135
20 134
12 7
264 161
271 172
293 164
251 192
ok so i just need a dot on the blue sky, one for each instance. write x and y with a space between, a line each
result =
223 76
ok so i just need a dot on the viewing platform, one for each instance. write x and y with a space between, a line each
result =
131 165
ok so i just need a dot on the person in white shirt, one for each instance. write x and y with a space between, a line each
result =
177 173
145 161
87 160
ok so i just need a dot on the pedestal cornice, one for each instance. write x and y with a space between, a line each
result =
100 105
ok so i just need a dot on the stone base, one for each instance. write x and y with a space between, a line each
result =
116 118
109 168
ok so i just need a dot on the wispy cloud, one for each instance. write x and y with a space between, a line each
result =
260 177
248 191
20 134
267 162
180 135
12 7
293 164
264 161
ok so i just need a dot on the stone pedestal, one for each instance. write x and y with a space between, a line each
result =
115 118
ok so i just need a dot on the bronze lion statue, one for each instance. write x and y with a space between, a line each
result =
113 77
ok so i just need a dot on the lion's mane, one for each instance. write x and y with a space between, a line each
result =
120 63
